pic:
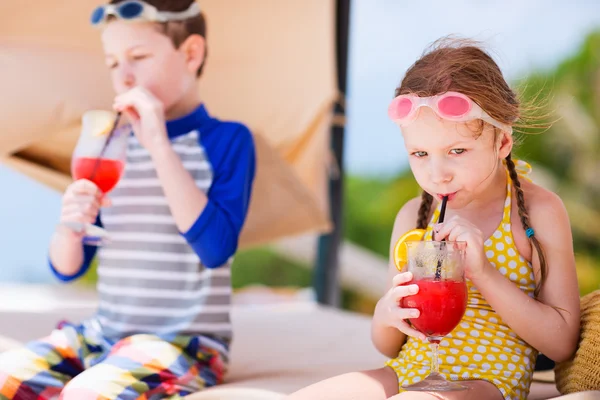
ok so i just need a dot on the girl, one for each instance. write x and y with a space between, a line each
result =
457 113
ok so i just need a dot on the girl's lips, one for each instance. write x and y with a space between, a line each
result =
450 196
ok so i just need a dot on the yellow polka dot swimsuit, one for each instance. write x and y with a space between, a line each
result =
482 346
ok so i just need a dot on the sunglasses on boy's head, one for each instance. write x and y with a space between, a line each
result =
452 106
138 10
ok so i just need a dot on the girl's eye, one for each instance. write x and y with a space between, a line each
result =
457 151
139 56
419 154
112 65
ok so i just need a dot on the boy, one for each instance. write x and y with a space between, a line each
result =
162 328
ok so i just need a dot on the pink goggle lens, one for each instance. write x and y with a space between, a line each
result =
401 108
453 106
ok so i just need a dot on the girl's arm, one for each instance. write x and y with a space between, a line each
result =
551 323
387 319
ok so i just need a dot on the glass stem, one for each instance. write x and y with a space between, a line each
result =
435 366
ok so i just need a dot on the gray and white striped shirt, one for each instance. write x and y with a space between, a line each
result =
153 278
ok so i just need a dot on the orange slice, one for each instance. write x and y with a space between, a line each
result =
98 122
400 250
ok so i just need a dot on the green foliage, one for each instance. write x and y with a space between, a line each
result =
371 206
265 267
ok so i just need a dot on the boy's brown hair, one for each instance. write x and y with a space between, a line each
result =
179 31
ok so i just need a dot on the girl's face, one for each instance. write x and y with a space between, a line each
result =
454 158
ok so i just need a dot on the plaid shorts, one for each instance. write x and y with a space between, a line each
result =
77 362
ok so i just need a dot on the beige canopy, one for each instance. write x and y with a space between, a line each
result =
271 65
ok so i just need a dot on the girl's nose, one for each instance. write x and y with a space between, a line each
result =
440 174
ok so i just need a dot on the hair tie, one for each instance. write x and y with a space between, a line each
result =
529 232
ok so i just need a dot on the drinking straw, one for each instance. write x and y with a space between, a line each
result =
110 135
438 270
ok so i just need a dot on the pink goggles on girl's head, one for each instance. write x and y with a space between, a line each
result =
452 106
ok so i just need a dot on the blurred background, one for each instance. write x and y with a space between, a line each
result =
547 50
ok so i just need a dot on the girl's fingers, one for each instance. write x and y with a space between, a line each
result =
399 292
401 278
405 328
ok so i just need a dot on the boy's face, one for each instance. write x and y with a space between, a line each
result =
139 55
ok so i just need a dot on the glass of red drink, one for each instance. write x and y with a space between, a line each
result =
438 270
99 157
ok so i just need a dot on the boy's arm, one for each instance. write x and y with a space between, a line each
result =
68 258
211 224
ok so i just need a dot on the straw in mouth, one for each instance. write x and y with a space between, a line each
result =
110 135
438 269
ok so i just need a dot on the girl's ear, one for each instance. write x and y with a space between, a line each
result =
505 143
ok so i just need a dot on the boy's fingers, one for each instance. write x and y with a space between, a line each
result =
90 210
137 98
81 200
84 186
74 208
78 218
131 113
129 106
133 98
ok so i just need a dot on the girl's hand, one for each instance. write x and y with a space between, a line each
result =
388 311
458 229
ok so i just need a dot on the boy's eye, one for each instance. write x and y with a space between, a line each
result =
458 151
139 56
110 62
419 154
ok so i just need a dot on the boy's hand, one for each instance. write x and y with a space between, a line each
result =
80 204
147 116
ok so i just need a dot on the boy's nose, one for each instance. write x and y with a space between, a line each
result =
128 81
125 78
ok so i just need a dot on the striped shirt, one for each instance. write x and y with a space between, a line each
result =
153 278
